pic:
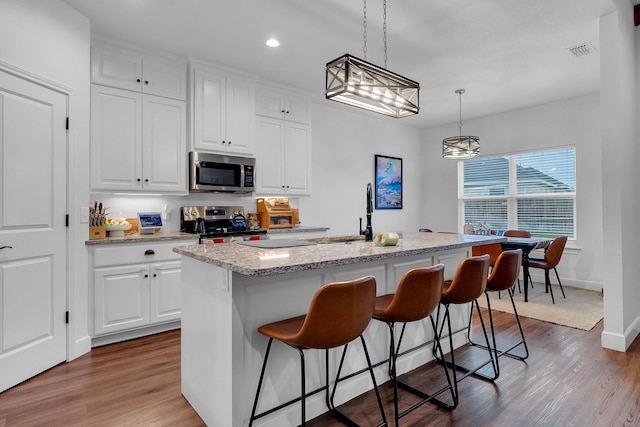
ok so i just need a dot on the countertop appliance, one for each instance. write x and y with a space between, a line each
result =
217 222
276 212
220 173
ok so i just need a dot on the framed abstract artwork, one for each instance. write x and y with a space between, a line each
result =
388 182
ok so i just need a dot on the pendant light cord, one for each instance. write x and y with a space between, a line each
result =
384 29
364 24
460 114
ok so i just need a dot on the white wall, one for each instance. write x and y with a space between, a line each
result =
573 121
50 40
345 141
619 95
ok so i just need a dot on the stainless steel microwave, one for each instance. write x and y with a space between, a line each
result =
220 173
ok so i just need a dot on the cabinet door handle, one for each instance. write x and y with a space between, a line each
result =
146 275
155 275
149 252
146 180
138 80
138 179
6 247
229 142
146 82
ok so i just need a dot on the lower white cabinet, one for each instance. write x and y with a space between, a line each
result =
135 286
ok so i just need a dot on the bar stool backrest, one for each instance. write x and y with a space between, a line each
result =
417 295
492 249
339 313
506 270
469 281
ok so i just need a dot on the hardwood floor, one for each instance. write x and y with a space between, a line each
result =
568 380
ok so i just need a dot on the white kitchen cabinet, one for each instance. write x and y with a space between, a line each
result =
223 108
135 286
138 142
282 105
125 69
283 161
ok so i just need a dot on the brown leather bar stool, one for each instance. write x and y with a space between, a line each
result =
468 284
417 296
519 233
502 278
552 256
339 313
492 249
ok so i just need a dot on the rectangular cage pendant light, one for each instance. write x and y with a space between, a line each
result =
359 83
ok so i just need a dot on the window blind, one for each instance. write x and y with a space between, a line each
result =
533 191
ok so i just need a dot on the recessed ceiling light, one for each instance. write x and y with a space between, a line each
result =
273 43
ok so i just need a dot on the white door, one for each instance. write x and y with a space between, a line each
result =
33 234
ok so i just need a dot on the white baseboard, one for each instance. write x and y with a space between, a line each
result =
134 333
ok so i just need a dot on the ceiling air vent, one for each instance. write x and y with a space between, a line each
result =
582 49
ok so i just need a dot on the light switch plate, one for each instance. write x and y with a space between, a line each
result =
84 215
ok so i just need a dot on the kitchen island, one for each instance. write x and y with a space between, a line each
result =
230 289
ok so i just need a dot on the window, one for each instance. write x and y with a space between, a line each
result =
533 191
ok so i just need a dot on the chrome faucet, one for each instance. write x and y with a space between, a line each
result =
368 231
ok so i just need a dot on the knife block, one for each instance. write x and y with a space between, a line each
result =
97 232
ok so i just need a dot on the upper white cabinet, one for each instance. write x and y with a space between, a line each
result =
222 111
280 105
138 121
111 66
283 157
138 142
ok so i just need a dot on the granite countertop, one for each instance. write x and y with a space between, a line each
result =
252 261
144 238
179 235
297 229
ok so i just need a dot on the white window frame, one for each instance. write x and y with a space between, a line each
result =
512 197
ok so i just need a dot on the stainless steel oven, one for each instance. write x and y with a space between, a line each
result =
220 173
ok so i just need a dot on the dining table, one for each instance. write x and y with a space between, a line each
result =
526 244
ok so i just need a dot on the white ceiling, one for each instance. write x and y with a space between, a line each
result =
507 54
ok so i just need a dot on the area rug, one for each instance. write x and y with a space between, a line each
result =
581 309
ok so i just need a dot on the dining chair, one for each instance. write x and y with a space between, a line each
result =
516 233
338 314
552 256
416 297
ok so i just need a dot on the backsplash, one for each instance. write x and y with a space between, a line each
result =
169 206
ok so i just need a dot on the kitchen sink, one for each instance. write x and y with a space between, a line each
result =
336 239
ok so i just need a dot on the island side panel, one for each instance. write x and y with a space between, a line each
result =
206 342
